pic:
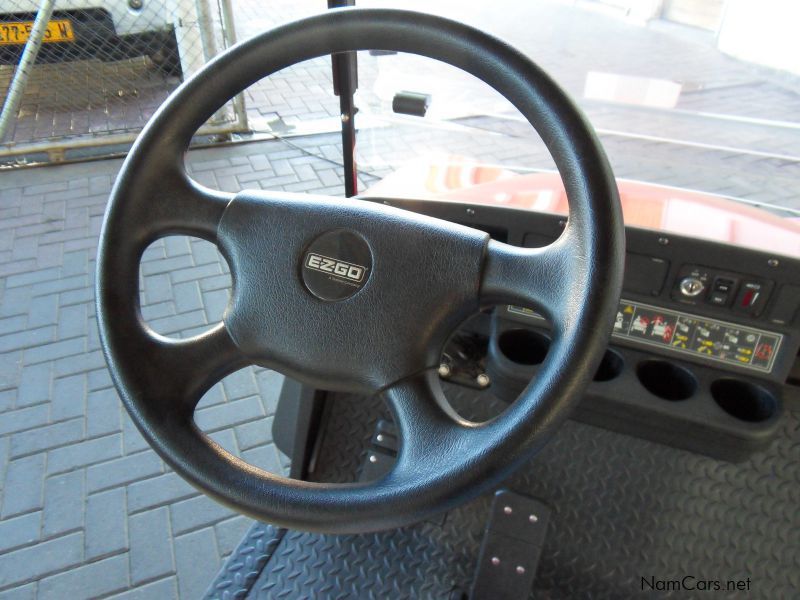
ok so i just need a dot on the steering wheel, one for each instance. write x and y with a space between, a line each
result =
356 296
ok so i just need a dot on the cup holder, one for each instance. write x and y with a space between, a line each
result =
523 346
666 380
610 367
744 400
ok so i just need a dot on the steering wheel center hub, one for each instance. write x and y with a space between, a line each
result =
336 265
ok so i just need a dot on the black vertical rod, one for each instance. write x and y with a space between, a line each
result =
345 83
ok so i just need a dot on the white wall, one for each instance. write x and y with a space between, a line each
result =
764 32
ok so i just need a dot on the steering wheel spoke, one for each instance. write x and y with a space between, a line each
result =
189 208
174 374
544 277
169 202
430 429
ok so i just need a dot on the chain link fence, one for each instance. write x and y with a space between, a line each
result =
102 69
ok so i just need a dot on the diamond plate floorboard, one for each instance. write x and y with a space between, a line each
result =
623 509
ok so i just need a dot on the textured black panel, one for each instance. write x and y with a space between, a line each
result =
623 508
346 433
244 565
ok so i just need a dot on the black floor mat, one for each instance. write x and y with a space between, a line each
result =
624 509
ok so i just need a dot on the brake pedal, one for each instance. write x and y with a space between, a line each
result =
511 547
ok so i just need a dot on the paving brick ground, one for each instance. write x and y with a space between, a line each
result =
86 508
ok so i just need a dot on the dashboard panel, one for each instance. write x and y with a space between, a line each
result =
703 342
761 294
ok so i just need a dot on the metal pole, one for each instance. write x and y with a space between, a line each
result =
206 30
229 33
190 44
345 83
208 40
20 80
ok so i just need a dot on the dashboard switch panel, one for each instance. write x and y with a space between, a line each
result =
739 293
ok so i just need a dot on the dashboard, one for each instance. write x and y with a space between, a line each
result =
704 340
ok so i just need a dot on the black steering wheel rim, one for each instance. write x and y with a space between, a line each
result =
575 282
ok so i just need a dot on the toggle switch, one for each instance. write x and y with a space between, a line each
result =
752 297
722 291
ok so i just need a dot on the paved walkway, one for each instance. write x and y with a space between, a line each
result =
86 508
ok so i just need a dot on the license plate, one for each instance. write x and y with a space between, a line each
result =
18 32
